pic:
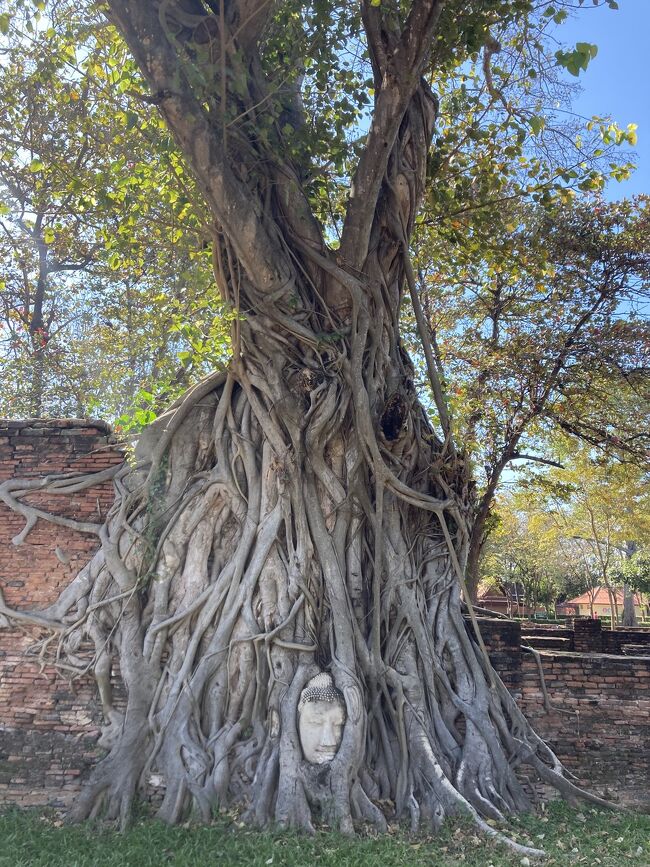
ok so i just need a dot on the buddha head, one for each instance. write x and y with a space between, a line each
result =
321 717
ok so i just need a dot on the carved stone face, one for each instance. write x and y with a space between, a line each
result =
321 717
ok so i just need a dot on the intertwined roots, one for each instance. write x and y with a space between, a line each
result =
250 547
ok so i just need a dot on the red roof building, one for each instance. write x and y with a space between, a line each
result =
597 603
506 599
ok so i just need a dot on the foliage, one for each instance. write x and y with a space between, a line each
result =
536 325
602 502
537 328
574 527
635 570
523 550
102 239
499 138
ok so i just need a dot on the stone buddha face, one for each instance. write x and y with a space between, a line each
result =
321 717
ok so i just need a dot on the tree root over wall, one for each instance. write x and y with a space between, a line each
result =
226 579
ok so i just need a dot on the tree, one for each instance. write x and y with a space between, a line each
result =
600 507
297 513
636 569
100 238
551 339
524 550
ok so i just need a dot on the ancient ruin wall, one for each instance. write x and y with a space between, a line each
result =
599 721
48 725
596 716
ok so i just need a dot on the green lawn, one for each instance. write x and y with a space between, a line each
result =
569 836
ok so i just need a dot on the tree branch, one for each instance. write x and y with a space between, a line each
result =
401 73
522 457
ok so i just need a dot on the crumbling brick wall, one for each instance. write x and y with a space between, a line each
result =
598 722
48 725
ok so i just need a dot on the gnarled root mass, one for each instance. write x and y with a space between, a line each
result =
244 554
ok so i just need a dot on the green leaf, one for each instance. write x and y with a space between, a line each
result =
537 124
578 59
36 166
631 133
587 48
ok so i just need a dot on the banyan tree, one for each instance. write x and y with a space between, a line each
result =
293 530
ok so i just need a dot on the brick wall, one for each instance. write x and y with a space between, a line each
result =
48 725
587 635
599 722
618 640
502 639
547 637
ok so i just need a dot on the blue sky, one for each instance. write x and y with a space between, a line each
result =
617 81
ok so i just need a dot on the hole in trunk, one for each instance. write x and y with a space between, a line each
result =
392 418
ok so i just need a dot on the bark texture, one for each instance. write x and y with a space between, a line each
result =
296 513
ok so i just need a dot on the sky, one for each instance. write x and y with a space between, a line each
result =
617 81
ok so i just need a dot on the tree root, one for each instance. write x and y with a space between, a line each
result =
236 584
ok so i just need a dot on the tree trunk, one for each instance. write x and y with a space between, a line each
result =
479 530
292 516
37 380
613 603
629 614
473 560
241 558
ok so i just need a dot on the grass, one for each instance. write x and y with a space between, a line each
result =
32 839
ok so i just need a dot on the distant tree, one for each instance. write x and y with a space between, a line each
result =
602 508
634 575
525 551
536 329
101 243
